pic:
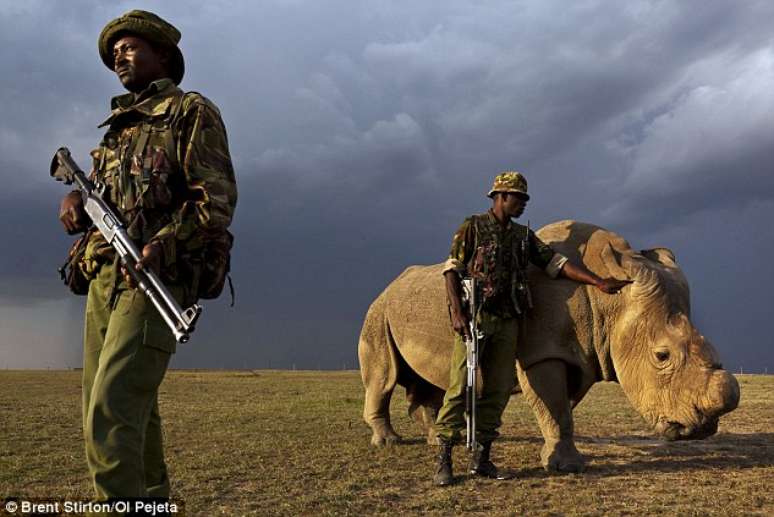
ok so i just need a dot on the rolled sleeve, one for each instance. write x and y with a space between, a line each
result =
461 249
555 265
455 265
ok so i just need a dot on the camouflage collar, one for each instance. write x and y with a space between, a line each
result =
152 101
493 220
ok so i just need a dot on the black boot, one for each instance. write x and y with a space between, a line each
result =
443 473
480 464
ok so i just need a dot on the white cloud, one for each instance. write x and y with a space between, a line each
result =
712 139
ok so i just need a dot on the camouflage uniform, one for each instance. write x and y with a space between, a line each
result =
498 258
166 165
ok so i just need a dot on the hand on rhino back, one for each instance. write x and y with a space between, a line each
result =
641 338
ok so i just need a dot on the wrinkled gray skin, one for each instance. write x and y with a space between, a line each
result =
576 336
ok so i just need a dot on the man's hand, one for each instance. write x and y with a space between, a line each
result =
580 273
612 285
71 213
459 316
151 259
461 324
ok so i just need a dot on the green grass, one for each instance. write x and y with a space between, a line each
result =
294 443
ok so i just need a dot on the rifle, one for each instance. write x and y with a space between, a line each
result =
181 322
471 354
523 284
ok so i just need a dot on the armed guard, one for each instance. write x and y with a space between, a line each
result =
495 251
165 163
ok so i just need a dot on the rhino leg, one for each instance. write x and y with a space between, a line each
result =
545 388
379 371
424 402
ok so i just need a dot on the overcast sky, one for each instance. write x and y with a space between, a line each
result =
363 132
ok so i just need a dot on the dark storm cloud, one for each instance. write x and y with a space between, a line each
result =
362 133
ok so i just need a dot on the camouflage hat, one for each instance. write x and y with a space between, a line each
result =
509 181
149 27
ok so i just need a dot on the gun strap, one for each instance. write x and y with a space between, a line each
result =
230 288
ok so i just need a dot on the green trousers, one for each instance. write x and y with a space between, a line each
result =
497 363
126 350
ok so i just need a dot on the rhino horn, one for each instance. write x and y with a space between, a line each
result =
723 393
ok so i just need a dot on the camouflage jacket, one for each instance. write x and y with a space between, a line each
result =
497 257
166 165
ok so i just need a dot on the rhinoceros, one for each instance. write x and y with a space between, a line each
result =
575 336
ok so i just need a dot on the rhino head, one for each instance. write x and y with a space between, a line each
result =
668 370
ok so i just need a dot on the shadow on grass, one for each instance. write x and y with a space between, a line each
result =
421 440
664 465
411 441
521 439
725 451
732 452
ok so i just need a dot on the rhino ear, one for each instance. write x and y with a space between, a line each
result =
618 265
663 256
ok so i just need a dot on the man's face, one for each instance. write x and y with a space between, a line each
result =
514 204
137 63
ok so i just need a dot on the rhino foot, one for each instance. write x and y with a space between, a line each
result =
561 456
386 438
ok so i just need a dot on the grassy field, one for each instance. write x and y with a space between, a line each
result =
293 443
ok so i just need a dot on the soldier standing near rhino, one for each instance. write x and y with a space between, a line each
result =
166 165
494 250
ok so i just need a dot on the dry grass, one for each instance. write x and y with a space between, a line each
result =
293 443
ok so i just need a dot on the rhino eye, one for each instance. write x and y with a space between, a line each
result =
662 355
